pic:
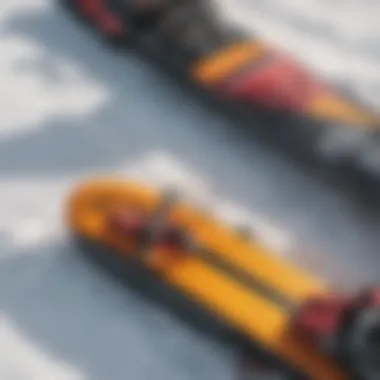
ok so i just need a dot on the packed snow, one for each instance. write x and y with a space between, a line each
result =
70 108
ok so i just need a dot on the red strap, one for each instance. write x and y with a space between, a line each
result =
283 84
129 223
90 8
95 11
373 298
320 317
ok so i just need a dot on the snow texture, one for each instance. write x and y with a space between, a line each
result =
70 108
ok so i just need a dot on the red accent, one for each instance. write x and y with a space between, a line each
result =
281 85
130 223
374 297
321 316
169 240
89 8
107 22
168 246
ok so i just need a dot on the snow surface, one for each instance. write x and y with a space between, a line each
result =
70 109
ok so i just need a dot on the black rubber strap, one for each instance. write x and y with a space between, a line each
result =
248 280
163 209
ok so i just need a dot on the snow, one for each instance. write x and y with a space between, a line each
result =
69 109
